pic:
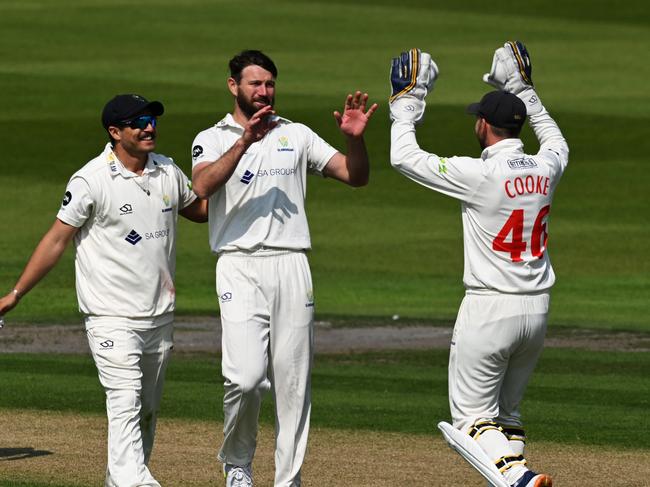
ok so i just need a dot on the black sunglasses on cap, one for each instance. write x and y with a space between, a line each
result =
142 122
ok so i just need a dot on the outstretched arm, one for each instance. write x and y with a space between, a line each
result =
45 256
512 71
352 167
208 177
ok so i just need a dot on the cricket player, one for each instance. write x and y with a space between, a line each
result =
506 198
252 165
121 210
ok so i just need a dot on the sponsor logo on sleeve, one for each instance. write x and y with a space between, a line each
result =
197 150
442 166
106 344
126 209
67 198
226 297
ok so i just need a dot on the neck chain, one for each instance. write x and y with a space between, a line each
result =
144 185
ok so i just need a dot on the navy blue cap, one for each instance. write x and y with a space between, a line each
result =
501 109
125 107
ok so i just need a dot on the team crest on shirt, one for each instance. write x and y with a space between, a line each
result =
167 202
283 145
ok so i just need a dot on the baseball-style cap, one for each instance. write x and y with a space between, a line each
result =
124 107
501 109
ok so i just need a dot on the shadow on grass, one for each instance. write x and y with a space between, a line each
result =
7 454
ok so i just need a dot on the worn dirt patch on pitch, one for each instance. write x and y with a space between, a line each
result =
203 334
72 451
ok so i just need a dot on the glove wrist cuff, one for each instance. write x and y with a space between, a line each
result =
407 108
531 100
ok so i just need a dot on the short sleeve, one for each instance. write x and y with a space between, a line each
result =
186 195
77 204
319 152
205 148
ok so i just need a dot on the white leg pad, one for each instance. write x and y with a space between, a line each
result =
467 448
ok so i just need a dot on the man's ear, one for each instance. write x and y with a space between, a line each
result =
233 86
115 132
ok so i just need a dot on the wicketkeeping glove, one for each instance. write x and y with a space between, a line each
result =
412 76
512 71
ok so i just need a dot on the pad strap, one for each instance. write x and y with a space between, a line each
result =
514 434
479 428
504 463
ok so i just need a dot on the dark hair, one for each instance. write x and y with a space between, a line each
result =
248 58
506 133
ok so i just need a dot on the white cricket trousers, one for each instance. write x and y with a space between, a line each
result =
131 366
495 345
267 314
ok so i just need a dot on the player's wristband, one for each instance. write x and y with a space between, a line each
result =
17 294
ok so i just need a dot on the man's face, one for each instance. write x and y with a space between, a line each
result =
255 90
139 137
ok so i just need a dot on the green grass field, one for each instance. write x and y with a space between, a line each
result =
390 248
403 392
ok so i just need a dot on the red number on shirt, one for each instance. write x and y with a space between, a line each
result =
515 226
516 246
540 235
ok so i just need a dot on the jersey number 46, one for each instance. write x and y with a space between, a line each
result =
516 245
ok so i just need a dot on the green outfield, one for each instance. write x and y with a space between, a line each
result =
401 392
594 403
390 248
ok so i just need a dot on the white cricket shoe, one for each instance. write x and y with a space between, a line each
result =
237 476
532 479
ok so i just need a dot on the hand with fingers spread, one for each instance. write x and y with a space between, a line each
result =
355 118
260 124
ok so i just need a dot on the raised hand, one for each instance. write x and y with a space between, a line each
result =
412 76
511 68
512 71
354 119
260 124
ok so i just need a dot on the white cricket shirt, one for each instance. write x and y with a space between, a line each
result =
506 198
125 247
263 202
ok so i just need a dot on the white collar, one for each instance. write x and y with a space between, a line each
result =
505 145
116 167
